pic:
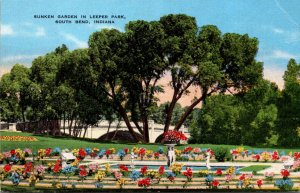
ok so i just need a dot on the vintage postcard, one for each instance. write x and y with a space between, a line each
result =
150 95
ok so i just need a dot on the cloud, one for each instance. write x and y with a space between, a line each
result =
100 27
6 30
289 36
289 17
78 43
24 29
18 58
283 55
40 31
278 31
277 55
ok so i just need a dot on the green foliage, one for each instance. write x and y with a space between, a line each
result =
288 126
222 154
247 118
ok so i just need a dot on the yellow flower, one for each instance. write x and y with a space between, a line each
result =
100 175
33 179
41 152
135 150
149 153
51 164
1 156
247 182
177 152
95 150
176 167
75 162
240 149
121 182
112 150
230 170
75 152
20 153
107 168
266 156
203 172
152 174
58 185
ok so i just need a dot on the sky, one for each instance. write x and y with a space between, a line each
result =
276 24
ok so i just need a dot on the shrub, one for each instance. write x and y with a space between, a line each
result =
222 154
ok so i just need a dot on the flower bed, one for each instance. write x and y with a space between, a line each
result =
94 176
17 138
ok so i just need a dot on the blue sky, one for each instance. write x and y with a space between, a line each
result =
276 23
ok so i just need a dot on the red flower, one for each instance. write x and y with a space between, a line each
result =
48 151
188 149
126 150
243 177
210 151
259 183
57 168
285 173
142 151
215 183
156 155
82 172
173 135
123 168
28 167
144 170
171 178
188 173
107 152
234 152
257 157
7 168
144 182
161 170
82 153
93 154
12 152
297 155
275 156
219 172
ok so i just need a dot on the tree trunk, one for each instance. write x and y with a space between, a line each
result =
109 124
189 110
145 127
169 114
117 127
127 122
138 127
64 124
85 129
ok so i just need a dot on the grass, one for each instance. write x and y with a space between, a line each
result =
72 143
254 168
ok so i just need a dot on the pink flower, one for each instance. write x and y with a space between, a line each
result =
118 175
197 150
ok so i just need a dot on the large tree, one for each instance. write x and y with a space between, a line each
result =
208 60
126 66
289 107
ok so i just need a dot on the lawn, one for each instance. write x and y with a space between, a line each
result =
71 143
254 168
